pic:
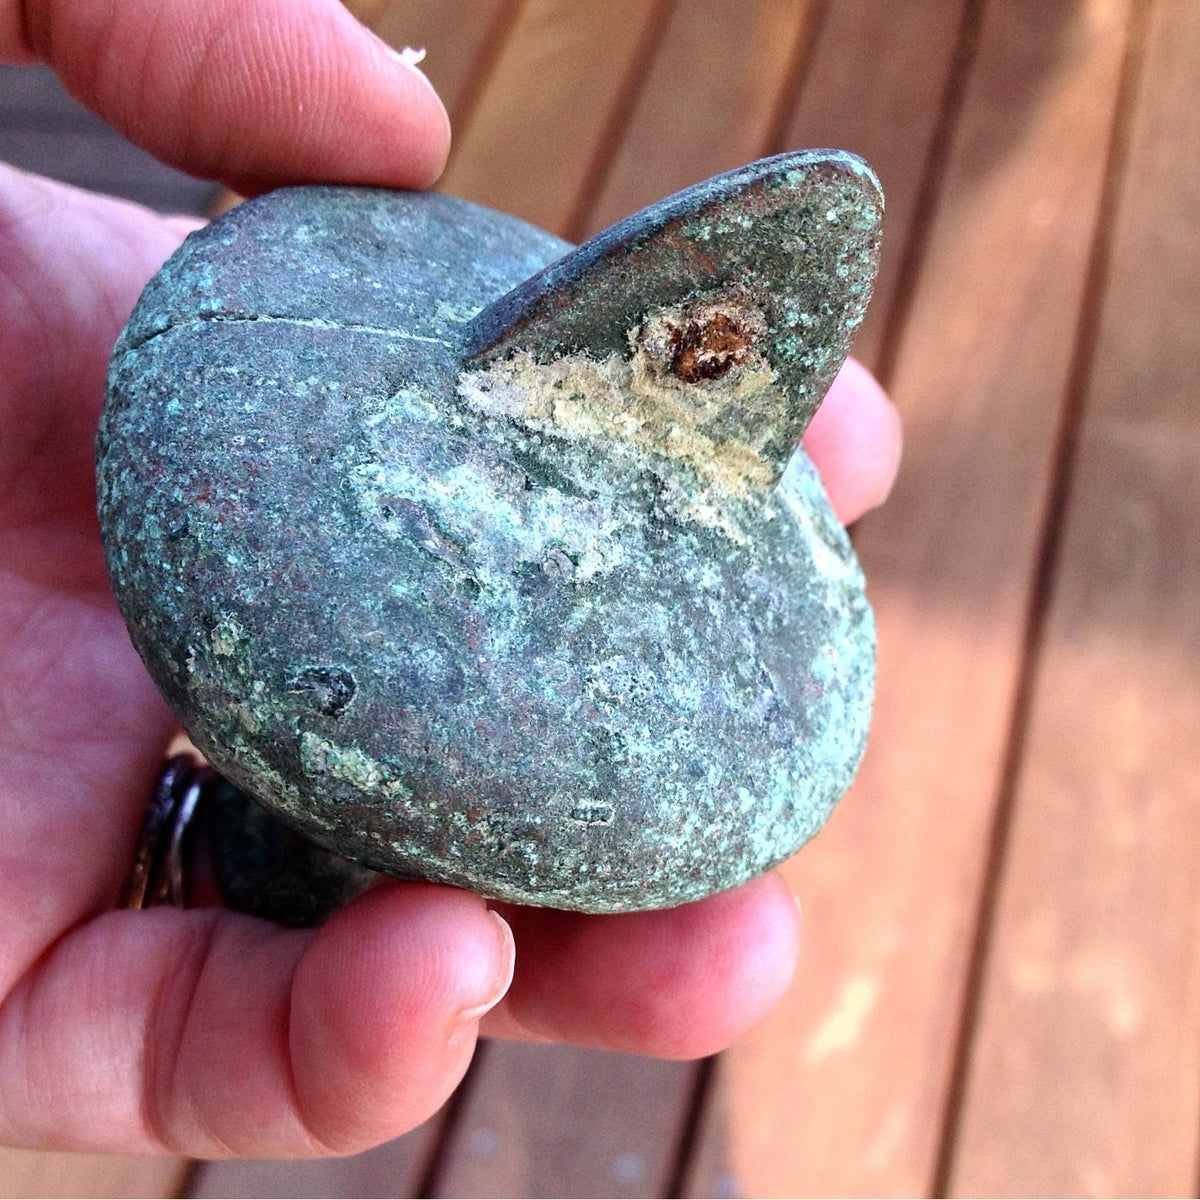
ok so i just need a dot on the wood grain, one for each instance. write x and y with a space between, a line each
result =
460 39
864 1046
393 1169
1085 1071
559 1121
564 73
709 1170
708 102
875 84
25 1173
43 130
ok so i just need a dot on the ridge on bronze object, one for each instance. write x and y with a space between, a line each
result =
474 557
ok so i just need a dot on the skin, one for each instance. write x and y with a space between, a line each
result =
209 1033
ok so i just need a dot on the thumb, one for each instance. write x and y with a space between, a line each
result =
255 93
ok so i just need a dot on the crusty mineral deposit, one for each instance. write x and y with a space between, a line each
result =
476 569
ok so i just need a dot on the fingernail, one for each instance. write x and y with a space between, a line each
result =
504 961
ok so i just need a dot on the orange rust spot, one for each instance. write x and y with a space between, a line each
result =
710 346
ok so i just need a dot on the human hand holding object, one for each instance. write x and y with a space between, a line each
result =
206 1032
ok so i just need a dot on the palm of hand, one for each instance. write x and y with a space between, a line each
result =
80 726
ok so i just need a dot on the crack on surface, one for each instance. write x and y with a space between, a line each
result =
273 319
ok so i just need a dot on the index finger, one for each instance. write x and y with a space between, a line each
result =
854 440
255 93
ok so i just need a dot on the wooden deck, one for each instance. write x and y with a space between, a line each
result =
1000 993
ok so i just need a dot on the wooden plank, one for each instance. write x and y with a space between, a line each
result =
42 1173
102 161
31 97
458 36
44 131
709 1170
708 104
1085 1072
560 1121
561 81
874 85
393 1169
367 11
863 1047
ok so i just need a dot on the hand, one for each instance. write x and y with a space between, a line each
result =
206 1032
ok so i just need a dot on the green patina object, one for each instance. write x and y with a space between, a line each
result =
476 569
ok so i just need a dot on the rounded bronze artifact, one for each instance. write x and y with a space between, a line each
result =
477 558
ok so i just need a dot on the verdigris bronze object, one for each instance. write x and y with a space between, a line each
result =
504 574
